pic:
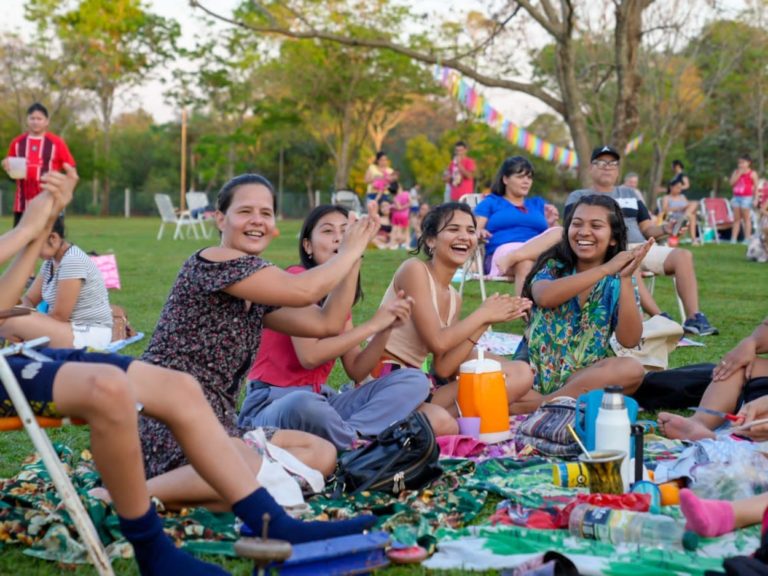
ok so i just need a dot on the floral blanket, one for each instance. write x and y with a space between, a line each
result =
442 517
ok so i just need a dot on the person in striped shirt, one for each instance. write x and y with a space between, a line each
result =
43 151
73 289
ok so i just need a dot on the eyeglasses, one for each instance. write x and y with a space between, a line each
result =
605 163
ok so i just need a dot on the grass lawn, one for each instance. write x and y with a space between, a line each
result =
732 293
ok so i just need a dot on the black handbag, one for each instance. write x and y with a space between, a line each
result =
402 457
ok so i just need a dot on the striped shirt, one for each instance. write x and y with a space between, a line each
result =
46 153
92 306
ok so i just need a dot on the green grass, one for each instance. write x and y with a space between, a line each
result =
732 293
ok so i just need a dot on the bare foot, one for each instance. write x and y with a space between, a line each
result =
100 494
680 428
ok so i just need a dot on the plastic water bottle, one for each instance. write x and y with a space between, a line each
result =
626 527
612 428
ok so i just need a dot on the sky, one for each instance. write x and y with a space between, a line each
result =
518 108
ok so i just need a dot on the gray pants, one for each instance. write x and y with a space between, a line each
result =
338 417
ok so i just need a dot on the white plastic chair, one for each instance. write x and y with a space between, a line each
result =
169 215
198 201
477 258
350 200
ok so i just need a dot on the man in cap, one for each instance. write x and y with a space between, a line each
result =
661 260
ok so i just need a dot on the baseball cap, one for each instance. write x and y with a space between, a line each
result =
610 150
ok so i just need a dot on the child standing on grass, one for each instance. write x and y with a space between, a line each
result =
400 211
582 293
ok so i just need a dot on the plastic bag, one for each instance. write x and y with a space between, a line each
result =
735 470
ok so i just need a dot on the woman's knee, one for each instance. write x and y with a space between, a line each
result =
519 379
629 373
441 421
324 454
110 394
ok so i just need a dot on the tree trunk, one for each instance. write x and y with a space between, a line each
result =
106 97
565 63
759 126
627 38
657 174
230 161
308 183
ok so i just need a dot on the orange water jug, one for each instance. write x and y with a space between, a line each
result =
483 393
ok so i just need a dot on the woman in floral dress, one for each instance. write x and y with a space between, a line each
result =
223 296
582 292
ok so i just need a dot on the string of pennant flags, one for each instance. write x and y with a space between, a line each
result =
477 104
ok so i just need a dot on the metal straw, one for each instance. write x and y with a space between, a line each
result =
578 441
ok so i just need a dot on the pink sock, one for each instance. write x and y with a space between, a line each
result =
707 518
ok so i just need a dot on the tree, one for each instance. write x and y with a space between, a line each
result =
560 20
109 45
344 96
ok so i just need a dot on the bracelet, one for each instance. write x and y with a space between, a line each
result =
473 342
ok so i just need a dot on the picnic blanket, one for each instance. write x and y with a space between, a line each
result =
31 515
451 515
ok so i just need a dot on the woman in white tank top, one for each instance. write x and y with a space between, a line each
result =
448 239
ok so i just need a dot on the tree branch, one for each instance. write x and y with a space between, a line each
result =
546 20
384 44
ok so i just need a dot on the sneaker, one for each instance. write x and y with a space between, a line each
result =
698 324
667 316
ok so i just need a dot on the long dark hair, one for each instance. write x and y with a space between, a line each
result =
564 254
510 166
310 222
227 192
435 221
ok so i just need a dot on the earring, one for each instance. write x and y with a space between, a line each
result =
309 255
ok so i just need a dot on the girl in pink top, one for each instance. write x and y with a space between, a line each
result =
287 387
400 211
744 182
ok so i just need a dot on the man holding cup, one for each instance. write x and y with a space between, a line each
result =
33 154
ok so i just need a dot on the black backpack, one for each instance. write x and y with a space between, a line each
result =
402 457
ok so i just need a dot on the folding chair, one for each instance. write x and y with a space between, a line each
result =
198 202
169 215
717 214
477 258
42 444
350 200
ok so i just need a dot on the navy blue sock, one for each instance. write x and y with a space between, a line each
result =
252 508
156 555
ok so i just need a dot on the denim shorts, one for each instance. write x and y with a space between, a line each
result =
36 378
741 202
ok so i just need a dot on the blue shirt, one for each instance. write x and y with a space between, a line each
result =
508 223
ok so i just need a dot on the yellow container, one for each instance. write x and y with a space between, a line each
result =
570 475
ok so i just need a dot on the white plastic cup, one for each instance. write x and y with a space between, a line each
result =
17 167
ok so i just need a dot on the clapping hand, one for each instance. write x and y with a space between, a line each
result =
395 312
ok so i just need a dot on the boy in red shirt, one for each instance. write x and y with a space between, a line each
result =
43 151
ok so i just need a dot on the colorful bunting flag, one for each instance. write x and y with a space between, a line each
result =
476 104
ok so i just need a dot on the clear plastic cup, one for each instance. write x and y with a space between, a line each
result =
17 167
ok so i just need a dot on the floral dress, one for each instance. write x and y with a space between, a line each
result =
569 337
209 334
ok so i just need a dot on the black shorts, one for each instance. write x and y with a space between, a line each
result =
36 378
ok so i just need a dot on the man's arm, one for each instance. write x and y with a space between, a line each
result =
467 168
647 227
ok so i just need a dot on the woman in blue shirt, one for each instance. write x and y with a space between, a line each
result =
516 227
